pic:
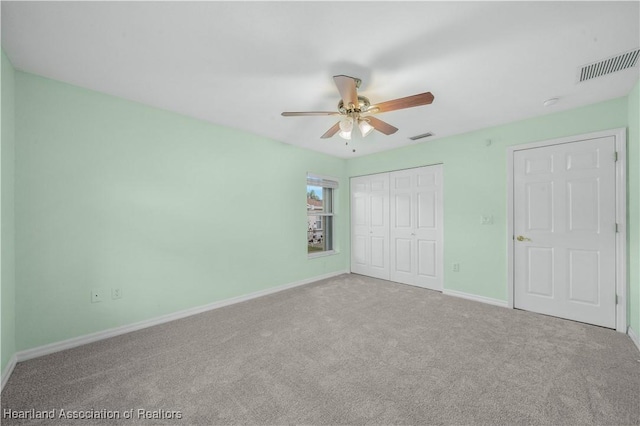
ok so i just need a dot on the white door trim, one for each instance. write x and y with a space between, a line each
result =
620 136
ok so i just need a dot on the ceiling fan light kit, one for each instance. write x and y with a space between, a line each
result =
346 126
358 110
365 127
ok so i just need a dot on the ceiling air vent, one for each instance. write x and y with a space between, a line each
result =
424 135
610 65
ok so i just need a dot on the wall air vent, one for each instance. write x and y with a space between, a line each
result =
610 65
424 135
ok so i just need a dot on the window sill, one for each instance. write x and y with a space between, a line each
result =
322 254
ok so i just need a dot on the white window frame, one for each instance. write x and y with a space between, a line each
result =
326 182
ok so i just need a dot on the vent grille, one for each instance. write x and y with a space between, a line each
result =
609 65
424 135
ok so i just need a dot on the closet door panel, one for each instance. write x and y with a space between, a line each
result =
428 259
396 222
370 225
359 225
429 226
403 219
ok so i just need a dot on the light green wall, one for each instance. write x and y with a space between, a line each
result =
175 211
475 184
7 259
180 213
633 162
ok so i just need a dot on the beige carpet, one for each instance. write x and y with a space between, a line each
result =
347 350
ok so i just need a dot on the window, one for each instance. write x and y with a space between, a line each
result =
320 214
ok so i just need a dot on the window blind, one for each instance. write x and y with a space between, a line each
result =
322 181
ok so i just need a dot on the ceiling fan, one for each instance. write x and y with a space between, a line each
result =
357 110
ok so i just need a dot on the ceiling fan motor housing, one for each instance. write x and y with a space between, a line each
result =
363 106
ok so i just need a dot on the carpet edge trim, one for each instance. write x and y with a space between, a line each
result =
476 298
117 331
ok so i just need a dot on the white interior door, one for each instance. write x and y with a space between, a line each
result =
416 228
370 225
564 226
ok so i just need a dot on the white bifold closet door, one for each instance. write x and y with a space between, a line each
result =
416 227
397 226
370 225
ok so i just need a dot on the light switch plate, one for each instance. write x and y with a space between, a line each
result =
116 293
486 220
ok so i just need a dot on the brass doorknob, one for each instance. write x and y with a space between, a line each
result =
522 238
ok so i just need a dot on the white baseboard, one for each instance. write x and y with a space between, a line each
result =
634 337
105 334
488 300
8 370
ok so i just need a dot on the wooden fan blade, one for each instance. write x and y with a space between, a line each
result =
401 103
332 131
347 87
381 126
304 113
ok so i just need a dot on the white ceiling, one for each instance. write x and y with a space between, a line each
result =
241 64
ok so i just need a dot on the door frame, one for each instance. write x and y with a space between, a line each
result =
620 137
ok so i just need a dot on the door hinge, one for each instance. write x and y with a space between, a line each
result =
617 228
615 156
616 299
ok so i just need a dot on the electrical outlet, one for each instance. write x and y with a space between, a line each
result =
456 267
97 295
116 293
